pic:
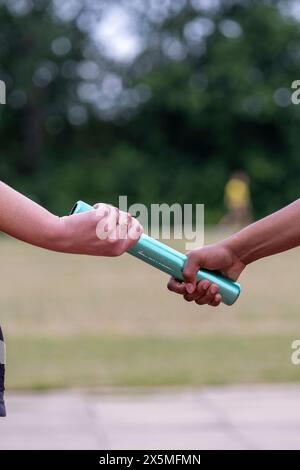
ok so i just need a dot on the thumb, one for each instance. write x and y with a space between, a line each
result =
190 270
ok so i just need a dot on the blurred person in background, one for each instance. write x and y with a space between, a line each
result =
25 220
238 201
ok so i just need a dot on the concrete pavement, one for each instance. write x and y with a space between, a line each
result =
242 417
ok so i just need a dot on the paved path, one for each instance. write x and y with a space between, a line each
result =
248 417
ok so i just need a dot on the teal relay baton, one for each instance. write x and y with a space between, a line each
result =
172 262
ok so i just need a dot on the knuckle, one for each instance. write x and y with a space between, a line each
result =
187 298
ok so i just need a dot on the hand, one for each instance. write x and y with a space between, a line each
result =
106 231
219 257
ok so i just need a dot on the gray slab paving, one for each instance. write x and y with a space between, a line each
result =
241 417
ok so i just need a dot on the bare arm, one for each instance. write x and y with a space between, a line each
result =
25 220
274 234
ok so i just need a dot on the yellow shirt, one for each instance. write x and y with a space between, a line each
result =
237 193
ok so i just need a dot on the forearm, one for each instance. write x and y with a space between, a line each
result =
273 234
24 219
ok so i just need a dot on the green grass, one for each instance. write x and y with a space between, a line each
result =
127 361
83 321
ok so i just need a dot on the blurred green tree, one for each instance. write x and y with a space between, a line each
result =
203 90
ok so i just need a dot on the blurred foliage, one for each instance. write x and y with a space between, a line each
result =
204 91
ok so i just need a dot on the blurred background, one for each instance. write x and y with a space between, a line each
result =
158 100
162 101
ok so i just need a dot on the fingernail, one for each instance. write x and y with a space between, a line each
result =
190 288
205 285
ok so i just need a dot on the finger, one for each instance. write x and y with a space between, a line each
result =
124 218
135 231
202 288
209 296
200 291
189 297
190 270
111 224
216 301
176 286
125 221
102 210
106 227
